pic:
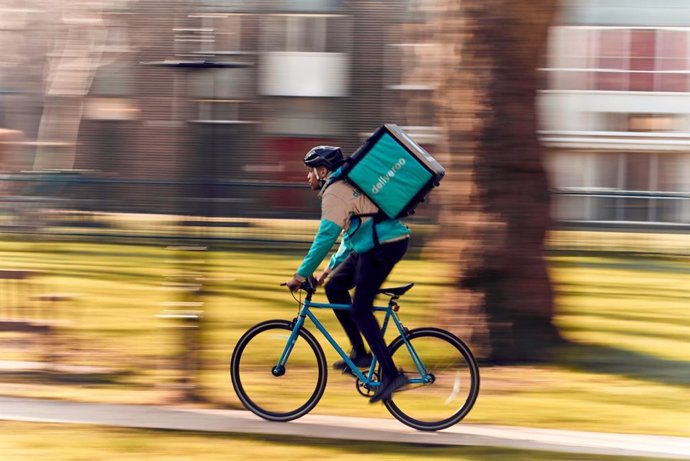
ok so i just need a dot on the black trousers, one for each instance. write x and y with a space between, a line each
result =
365 272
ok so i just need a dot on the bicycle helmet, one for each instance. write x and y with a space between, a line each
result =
328 156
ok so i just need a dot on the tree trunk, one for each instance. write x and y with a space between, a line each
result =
498 203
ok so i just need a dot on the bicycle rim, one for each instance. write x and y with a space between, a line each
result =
287 396
455 387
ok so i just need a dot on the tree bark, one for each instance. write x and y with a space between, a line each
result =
499 202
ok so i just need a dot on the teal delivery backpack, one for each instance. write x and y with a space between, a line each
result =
393 171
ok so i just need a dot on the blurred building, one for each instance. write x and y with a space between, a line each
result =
208 106
617 113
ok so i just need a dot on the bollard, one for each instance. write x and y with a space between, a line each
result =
188 323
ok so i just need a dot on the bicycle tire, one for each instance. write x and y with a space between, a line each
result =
454 390
262 392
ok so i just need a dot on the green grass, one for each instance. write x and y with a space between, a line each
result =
628 369
19 442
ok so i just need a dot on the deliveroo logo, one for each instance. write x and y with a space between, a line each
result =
390 174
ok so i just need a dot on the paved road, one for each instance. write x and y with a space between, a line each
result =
345 428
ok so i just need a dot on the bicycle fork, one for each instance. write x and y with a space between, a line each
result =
297 323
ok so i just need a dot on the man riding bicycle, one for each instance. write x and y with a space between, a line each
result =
369 249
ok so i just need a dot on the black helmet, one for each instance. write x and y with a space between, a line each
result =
328 156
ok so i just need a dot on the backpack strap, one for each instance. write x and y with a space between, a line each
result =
377 217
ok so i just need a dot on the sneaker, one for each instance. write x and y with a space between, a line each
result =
388 386
361 361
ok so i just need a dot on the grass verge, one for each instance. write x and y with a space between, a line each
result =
626 371
19 442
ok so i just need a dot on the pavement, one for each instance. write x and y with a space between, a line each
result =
341 428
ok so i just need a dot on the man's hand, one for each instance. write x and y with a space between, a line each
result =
322 277
294 283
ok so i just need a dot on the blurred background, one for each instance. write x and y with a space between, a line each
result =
208 108
151 173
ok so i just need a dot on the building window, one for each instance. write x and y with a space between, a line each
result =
622 187
620 59
642 59
307 33
305 55
312 5
223 94
611 59
673 60
217 34
651 122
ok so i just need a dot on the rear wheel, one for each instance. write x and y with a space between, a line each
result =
278 393
453 375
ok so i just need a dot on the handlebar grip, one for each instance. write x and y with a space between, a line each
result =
309 285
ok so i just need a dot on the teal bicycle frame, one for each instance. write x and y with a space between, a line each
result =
390 313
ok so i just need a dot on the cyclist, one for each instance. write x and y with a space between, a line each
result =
368 251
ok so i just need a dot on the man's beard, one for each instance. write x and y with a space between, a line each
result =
318 186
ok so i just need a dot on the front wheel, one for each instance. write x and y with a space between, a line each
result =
278 393
452 384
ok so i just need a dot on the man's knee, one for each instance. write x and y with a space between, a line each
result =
331 289
361 310
335 291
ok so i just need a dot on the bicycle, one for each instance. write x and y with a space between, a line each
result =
279 371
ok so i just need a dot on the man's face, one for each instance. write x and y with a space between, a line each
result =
313 177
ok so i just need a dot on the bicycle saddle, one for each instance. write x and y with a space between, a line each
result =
395 291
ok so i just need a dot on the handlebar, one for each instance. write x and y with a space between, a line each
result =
309 285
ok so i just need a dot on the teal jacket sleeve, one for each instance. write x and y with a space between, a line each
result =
339 256
323 242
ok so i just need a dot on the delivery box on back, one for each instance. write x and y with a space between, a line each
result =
393 171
